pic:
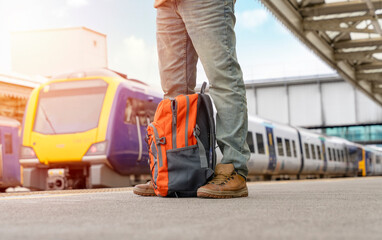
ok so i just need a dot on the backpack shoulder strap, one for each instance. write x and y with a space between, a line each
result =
203 88
202 151
206 101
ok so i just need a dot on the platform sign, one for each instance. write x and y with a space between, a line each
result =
272 150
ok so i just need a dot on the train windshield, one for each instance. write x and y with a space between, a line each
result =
70 107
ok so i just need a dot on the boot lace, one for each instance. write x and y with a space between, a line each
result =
221 179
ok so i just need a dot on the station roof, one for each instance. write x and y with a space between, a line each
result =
18 85
346 34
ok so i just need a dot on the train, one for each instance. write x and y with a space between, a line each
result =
9 153
87 129
282 152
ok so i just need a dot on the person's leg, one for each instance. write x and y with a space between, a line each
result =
210 25
176 54
177 62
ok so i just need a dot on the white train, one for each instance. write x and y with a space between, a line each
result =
282 151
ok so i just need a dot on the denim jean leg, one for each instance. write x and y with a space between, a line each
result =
176 54
210 25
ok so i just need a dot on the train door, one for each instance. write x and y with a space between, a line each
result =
361 163
272 150
135 125
368 163
145 111
128 152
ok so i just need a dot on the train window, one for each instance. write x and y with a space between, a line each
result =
342 155
330 154
319 157
313 151
129 111
294 148
280 146
307 154
346 155
70 106
8 143
260 143
250 142
139 110
287 146
339 155
378 159
334 154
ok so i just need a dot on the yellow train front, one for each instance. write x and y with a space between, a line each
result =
86 130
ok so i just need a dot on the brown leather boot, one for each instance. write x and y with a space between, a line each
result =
146 189
226 184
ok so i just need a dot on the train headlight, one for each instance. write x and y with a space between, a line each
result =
27 152
97 149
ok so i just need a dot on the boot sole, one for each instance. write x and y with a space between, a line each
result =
144 193
205 193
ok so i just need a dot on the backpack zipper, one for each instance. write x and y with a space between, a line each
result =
174 108
187 118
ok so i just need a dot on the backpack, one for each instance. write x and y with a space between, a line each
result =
181 143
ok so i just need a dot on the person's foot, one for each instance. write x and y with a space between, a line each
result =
146 189
226 184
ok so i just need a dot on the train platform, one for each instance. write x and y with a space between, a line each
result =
347 208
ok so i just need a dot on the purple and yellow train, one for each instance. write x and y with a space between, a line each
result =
86 130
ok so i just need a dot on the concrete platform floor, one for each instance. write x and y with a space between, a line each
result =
349 208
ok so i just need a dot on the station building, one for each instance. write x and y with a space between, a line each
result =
52 51
327 103
38 55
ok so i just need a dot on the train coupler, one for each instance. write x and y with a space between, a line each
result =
57 179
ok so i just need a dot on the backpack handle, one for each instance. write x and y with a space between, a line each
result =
203 88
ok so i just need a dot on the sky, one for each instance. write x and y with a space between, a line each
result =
265 48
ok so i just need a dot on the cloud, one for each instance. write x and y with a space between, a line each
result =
252 18
137 59
77 3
